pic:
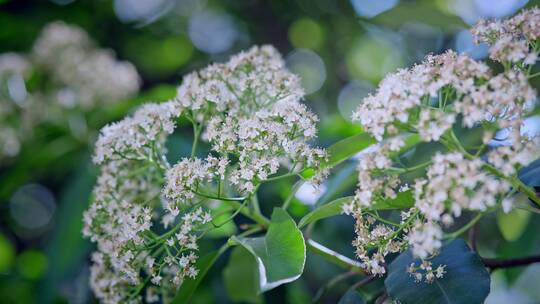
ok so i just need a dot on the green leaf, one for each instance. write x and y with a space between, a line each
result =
241 277
344 179
188 287
352 297
427 12
513 224
280 254
67 247
227 227
335 207
466 279
348 147
343 150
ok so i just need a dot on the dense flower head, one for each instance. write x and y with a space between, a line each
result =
249 110
432 94
14 68
77 78
86 76
513 40
138 136
434 100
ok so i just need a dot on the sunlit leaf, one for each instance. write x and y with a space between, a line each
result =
513 224
241 277
335 207
280 254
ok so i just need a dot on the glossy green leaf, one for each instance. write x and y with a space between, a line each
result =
343 150
220 217
428 13
348 147
344 179
67 247
513 224
335 207
466 280
280 254
241 277
352 297
188 287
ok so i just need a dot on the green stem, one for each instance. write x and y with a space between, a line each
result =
255 201
289 198
533 75
410 169
380 219
466 227
516 183
274 178
256 217
334 257
196 135
234 199
232 216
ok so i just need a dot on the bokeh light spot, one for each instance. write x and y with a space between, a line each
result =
144 11
309 194
306 33
7 254
160 57
32 264
371 8
212 32
309 66
465 44
351 95
372 58
32 206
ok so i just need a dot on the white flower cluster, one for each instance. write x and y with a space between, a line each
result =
371 234
249 110
426 272
252 112
140 136
116 272
127 200
184 178
443 93
455 183
513 40
432 94
85 76
76 75
14 68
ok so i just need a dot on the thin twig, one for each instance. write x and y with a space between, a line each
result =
472 237
508 263
382 298
331 283
363 282
334 257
